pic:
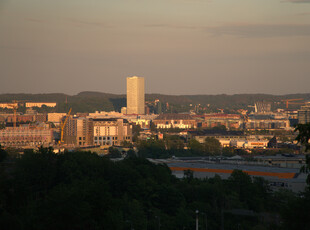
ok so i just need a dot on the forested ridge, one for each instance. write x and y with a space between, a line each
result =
81 190
97 101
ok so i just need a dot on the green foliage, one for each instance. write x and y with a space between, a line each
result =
212 146
174 142
195 147
81 190
95 101
136 129
152 148
303 134
3 154
126 144
114 153
303 138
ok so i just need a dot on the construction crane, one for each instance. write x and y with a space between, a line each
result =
290 102
62 127
14 106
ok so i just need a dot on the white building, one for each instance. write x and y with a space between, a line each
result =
40 104
135 95
111 131
55 117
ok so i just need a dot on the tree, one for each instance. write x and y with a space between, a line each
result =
3 154
135 132
212 146
114 153
228 151
174 142
195 147
303 138
303 135
126 144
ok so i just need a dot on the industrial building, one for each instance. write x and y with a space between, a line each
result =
278 177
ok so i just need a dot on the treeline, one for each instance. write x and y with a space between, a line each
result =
96 101
81 190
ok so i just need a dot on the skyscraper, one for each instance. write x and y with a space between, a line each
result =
135 95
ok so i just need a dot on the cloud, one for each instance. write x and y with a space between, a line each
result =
172 26
88 23
246 30
261 30
34 20
298 1
303 14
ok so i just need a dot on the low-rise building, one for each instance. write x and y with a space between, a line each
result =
230 121
9 105
266 122
182 121
223 136
40 104
25 136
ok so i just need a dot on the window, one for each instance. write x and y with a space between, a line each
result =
103 138
100 138
80 138
96 138
108 138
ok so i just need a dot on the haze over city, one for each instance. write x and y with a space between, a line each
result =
179 47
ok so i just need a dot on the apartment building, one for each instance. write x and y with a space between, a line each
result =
78 131
111 131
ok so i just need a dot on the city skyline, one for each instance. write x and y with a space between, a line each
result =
180 47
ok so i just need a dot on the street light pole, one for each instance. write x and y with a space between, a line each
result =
158 217
197 212
206 219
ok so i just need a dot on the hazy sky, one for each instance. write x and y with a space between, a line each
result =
179 46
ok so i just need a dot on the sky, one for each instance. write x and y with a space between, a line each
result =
178 46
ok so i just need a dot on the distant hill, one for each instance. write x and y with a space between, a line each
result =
98 101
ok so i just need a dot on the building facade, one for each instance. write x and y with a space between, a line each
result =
78 131
304 114
230 121
40 104
182 121
26 136
135 95
111 131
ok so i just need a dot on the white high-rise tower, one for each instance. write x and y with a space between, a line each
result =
135 95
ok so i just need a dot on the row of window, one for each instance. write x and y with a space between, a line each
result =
105 138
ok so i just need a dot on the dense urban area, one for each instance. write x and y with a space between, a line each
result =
136 161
